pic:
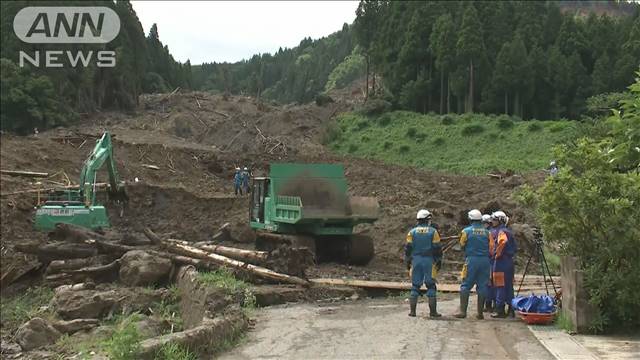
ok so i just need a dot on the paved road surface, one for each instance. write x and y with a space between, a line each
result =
367 329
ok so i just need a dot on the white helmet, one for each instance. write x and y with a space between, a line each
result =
475 215
237 169
423 214
486 218
245 168
500 216
552 163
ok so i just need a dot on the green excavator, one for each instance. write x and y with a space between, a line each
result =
78 206
307 205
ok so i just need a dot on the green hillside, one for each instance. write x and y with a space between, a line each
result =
466 144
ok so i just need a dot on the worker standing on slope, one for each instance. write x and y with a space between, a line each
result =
474 240
423 244
503 268
237 181
245 180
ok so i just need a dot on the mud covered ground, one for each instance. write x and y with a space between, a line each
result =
195 140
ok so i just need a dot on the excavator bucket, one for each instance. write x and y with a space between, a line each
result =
364 207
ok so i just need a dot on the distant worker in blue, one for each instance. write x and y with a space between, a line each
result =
246 176
553 168
474 240
421 250
504 249
237 181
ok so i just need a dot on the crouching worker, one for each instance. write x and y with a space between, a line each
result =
422 246
474 240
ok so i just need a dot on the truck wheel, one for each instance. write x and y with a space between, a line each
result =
360 250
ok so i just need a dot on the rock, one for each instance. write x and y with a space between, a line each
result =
514 181
36 333
9 348
151 326
72 326
139 268
84 304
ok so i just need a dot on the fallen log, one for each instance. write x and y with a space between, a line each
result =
58 251
397 285
231 252
185 260
74 287
73 326
102 273
152 167
152 236
58 266
223 260
73 233
107 247
25 173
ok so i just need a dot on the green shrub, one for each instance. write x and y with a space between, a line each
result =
17 310
403 149
420 137
439 141
447 120
387 145
125 341
222 278
411 132
557 127
590 210
472 129
384 120
374 107
331 133
505 123
364 138
353 148
173 351
534 126
526 196
362 124
323 99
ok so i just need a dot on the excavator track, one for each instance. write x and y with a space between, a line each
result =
360 250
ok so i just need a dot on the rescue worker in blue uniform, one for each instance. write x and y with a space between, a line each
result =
237 181
491 292
421 251
504 249
246 176
474 240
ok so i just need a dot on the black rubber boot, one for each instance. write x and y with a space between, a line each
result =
499 313
479 308
488 306
464 303
432 308
413 302
510 312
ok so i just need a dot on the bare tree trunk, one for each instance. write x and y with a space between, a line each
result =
441 90
506 103
470 108
366 88
448 94
516 104
373 80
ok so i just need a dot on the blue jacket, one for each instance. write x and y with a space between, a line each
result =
237 178
422 240
475 240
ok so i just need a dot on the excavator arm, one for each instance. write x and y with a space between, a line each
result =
102 153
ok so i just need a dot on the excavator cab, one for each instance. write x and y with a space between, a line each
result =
79 206
259 192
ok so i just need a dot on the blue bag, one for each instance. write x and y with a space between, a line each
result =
541 304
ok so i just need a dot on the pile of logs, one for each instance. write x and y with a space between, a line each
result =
77 254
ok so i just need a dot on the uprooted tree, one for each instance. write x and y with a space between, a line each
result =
592 210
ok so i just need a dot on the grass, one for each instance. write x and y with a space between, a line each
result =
471 144
124 344
563 322
171 351
32 303
224 279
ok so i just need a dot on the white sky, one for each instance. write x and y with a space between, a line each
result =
207 31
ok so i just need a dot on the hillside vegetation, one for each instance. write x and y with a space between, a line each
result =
465 144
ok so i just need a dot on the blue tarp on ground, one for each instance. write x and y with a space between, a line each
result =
542 304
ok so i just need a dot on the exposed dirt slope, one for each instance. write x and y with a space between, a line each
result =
197 143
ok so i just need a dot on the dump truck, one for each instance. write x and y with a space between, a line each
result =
80 206
307 205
